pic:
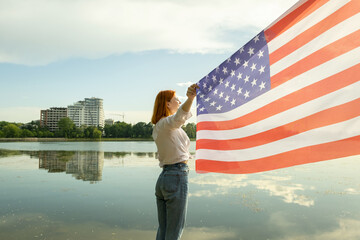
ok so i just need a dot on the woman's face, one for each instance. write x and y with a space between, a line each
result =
174 104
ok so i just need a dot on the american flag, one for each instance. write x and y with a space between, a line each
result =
290 96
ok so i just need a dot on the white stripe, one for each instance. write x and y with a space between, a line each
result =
333 99
312 19
326 134
323 71
339 31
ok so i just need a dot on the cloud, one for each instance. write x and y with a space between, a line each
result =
184 84
41 31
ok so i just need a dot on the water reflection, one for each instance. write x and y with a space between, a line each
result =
314 201
82 165
86 166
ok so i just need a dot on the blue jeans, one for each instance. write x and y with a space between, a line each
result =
171 193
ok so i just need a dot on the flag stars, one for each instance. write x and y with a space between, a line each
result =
251 51
225 71
233 87
239 76
232 73
241 50
210 88
228 60
214 78
215 92
262 86
247 94
253 83
218 108
246 79
221 95
207 99
221 81
262 69
202 96
227 84
204 85
227 98
253 67
237 61
202 109
245 64
256 38
260 54
217 69
233 102
212 103
239 91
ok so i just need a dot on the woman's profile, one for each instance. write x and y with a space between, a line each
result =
172 143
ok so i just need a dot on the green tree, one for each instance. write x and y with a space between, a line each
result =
118 130
2 134
97 133
12 131
26 133
190 129
66 127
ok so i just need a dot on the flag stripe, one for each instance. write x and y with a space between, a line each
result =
294 99
334 132
342 96
320 119
348 10
293 17
321 152
317 58
325 70
306 23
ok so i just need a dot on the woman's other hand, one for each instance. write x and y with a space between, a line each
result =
191 91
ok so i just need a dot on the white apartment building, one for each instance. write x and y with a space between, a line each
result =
89 112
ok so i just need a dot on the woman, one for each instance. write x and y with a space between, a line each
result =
173 153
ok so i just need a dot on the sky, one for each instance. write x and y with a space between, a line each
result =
54 53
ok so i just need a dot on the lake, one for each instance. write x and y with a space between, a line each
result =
105 190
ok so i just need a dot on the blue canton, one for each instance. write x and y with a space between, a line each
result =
239 79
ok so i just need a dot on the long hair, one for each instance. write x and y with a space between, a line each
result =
160 108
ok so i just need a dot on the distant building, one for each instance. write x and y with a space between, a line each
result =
89 112
51 117
109 121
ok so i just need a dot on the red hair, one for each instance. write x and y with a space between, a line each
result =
160 108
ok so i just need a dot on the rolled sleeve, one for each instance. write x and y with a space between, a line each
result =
178 119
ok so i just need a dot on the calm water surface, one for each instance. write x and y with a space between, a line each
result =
105 190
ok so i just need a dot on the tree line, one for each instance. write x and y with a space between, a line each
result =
68 129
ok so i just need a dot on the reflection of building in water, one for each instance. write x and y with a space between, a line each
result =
82 165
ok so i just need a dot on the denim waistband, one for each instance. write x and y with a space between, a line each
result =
175 166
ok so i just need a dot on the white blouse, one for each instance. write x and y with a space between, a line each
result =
171 140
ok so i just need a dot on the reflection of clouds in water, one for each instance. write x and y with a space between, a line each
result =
285 190
348 229
280 186
40 226
223 184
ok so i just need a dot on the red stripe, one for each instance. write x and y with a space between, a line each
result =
317 58
347 11
320 119
326 151
318 89
292 18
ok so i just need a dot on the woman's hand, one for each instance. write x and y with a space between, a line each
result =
191 91
191 94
